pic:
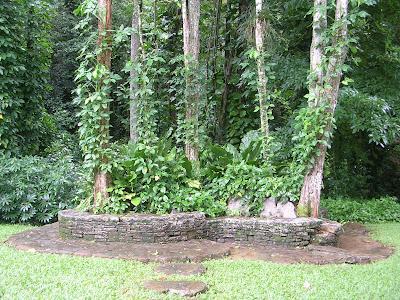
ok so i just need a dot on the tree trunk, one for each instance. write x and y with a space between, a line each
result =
102 178
326 90
135 48
262 80
218 4
227 74
191 49
317 53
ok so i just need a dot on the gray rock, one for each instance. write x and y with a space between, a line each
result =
269 209
236 207
286 211
181 288
324 239
181 269
331 227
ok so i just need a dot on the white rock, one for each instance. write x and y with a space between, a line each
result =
269 210
287 210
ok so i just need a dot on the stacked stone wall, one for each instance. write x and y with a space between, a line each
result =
259 231
137 228
146 228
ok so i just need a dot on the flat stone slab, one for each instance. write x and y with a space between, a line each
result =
354 246
181 269
181 288
45 239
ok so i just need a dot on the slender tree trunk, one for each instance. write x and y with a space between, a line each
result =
135 48
262 80
227 73
102 178
191 49
317 53
326 90
218 4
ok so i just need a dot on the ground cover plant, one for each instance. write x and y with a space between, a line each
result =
385 209
34 189
38 276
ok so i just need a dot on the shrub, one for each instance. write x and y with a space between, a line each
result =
156 179
33 189
385 209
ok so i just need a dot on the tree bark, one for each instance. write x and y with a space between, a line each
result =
317 53
262 80
218 4
102 178
227 74
326 91
135 48
191 49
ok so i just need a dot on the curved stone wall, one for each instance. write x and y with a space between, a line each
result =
139 228
145 228
260 231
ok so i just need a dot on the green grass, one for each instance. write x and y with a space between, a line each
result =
26 275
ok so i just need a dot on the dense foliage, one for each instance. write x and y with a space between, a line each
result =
158 179
34 189
49 56
385 209
25 52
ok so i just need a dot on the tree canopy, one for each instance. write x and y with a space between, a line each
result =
184 105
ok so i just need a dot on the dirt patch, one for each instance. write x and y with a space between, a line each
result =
354 246
356 239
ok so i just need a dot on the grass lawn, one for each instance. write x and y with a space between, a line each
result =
43 276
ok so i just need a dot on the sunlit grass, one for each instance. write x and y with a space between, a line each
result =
26 275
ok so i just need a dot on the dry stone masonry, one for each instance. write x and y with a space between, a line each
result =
138 228
262 232
146 228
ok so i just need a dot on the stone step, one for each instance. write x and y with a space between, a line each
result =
181 288
181 269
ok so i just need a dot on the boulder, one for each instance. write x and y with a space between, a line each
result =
325 239
269 209
331 227
236 208
328 233
286 210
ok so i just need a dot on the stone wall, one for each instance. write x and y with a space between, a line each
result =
139 228
145 228
260 231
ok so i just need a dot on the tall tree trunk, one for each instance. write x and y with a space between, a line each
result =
227 73
262 80
326 89
102 178
135 48
191 49
218 4
317 53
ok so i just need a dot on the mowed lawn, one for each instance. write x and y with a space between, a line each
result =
25 275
